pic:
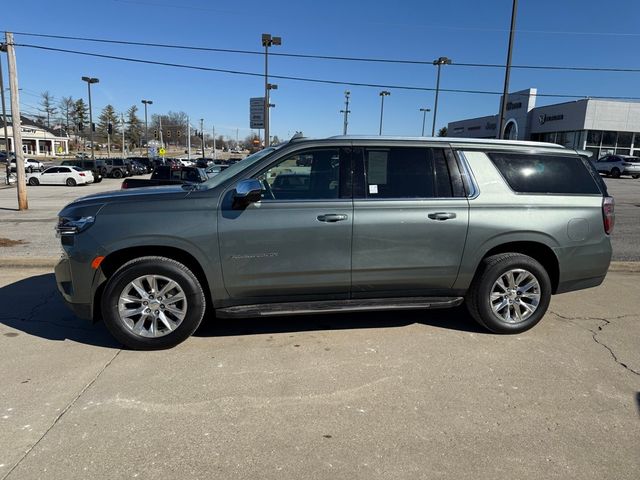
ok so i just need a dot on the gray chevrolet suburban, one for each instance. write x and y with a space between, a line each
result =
342 224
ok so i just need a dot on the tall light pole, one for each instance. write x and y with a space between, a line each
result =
346 111
382 94
268 41
424 117
439 62
507 72
146 125
89 81
202 135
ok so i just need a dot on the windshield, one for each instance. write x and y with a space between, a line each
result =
238 167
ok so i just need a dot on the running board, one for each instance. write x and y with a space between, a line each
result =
337 306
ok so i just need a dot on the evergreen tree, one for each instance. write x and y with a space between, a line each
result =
108 116
80 114
134 126
442 132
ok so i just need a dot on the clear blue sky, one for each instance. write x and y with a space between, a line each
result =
550 32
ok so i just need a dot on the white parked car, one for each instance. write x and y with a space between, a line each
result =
30 165
70 176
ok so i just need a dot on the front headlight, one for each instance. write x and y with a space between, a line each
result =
73 225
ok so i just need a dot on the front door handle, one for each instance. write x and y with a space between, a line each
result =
442 215
332 217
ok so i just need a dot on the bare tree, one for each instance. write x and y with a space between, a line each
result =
47 106
67 105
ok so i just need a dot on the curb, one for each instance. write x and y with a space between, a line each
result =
50 262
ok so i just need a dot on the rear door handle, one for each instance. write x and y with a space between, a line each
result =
332 217
442 215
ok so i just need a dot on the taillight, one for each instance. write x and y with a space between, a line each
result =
81 174
124 185
608 214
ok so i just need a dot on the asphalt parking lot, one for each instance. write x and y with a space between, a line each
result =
385 395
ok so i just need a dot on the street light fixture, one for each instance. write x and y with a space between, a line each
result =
268 41
383 93
89 81
439 62
146 126
424 117
346 111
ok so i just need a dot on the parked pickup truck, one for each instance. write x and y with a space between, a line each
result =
371 223
165 175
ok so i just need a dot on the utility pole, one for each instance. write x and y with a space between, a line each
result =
188 139
4 117
202 135
23 204
122 121
346 111
160 126
236 138
439 62
507 72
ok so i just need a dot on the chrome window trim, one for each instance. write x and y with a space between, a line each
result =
464 163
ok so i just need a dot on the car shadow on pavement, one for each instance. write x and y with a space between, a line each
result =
451 319
35 307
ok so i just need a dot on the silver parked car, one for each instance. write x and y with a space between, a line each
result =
342 224
616 165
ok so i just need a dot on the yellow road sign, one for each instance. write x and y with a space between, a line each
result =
162 151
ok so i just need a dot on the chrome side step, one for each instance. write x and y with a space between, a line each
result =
337 306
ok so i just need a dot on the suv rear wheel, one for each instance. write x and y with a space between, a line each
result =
117 173
510 293
152 303
615 172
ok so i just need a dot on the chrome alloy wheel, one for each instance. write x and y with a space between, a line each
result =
152 306
515 295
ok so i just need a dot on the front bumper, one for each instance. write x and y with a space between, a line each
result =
73 292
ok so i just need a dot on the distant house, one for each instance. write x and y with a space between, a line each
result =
36 139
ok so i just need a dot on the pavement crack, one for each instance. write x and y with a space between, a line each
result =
613 354
61 414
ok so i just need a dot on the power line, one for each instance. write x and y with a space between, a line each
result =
303 79
330 57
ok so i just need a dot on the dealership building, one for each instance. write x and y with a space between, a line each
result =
36 139
602 126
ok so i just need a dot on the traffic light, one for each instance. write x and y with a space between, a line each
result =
178 133
109 128
80 126
93 127
155 134
168 133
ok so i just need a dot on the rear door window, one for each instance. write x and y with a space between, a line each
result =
406 172
551 174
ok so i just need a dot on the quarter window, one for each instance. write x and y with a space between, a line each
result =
552 174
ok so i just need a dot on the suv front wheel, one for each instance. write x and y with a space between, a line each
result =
510 293
151 303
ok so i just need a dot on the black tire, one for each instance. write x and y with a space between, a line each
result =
116 173
194 297
491 269
34 182
635 176
97 179
615 173
29 169
71 182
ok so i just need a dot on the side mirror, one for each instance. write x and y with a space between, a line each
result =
247 191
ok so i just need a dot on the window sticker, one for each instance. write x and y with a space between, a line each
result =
373 189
